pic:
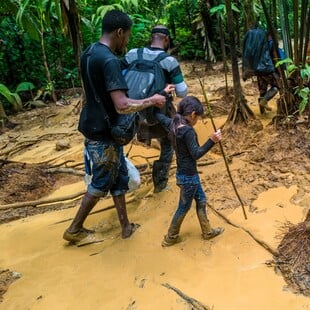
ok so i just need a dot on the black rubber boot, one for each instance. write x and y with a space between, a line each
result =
160 175
76 232
207 231
173 232
127 228
271 93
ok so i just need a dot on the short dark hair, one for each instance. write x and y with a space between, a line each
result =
161 29
115 19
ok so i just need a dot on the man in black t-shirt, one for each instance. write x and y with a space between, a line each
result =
105 91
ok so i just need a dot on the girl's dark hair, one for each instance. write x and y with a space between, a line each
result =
115 19
186 106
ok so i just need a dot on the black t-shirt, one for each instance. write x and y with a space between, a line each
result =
105 73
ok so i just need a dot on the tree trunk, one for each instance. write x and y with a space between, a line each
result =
71 16
240 111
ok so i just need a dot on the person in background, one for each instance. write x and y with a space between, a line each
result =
105 91
160 43
268 84
188 151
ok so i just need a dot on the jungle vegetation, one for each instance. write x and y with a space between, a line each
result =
41 42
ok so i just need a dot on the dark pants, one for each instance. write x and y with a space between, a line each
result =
190 190
264 81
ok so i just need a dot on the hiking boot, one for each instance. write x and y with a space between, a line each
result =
77 236
169 240
263 105
212 233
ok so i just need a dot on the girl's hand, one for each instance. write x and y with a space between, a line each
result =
216 136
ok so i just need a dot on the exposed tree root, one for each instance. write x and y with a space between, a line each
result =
66 170
38 202
293 259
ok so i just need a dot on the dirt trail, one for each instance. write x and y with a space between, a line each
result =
233 271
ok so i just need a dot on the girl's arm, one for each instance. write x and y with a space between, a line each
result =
197 151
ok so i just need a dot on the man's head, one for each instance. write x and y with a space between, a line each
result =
117 25
160 37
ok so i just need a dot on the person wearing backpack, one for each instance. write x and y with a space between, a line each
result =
268 84
135 63
105 90
258 59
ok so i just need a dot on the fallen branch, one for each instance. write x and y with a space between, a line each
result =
193 302
38 202
66 170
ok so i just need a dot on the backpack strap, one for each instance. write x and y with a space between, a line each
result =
140 53
160 57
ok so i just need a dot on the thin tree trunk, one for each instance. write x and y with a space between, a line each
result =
296 20
225 65
71 15
240 111
47 71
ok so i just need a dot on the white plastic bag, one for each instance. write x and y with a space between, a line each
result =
134 175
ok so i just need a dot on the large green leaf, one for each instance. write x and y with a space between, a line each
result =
12 98
24 86
5 92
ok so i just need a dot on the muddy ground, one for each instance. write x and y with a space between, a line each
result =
42 153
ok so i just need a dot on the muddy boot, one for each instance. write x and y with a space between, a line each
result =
173 232
271 93
76 232
261 105
127 228
160 174
263 101
207 231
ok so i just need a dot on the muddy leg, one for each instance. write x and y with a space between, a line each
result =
127 228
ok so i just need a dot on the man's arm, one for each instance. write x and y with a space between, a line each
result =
125 105
176 77
181 89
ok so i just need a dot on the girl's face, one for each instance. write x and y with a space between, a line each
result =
193 119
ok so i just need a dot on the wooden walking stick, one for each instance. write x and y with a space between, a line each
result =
221 147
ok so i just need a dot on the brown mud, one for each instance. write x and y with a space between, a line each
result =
41 161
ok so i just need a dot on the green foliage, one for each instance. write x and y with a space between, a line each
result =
71 75
220 10
190 48
304 94
12 98
303 90
141 30
24 86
